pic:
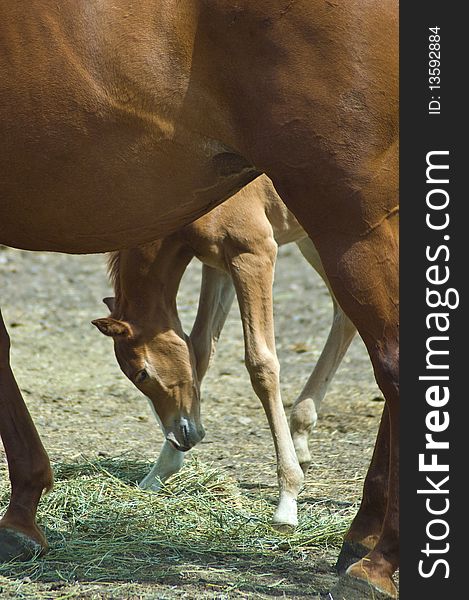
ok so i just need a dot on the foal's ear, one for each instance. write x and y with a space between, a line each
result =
110 303
113 327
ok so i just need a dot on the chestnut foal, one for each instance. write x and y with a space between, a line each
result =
237 243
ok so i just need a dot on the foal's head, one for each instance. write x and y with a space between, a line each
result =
150 346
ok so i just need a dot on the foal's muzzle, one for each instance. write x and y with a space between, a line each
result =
185 435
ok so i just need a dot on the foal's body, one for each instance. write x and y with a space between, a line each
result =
237 243
122 122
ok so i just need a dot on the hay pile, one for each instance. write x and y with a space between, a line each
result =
102 528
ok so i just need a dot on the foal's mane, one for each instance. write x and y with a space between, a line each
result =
113 271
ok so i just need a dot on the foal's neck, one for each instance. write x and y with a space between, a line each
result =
146 281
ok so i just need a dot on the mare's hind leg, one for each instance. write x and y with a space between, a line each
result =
365 279
306 407
356 234
216 297
367 285
28 464
365 529
252 271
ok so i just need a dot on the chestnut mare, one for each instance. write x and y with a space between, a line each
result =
122 122
237 242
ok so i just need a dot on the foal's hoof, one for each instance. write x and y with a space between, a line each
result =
285 518
351 552
353 588
283 527
151 483
15 545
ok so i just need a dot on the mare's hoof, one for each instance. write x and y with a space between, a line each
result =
351 552
15 545
353 588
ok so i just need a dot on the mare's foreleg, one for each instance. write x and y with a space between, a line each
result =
28 464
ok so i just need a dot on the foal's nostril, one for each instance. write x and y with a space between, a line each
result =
175 442
183 445
185 433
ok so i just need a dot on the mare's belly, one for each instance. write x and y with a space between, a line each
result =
86 195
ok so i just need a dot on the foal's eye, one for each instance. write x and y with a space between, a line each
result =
141 376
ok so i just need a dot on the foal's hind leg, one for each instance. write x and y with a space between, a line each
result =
28 465
252 272
306 407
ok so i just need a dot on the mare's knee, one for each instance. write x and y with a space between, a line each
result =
386 366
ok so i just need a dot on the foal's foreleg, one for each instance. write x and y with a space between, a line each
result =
28 464
252 274
215 300
306 407
168 463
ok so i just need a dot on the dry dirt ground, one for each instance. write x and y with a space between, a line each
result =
83 405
